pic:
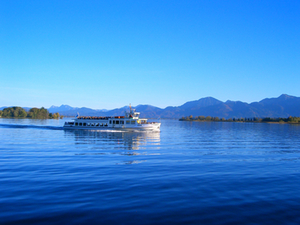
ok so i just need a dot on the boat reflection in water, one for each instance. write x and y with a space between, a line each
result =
96 142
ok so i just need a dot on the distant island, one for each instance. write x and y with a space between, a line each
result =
290 119
33 113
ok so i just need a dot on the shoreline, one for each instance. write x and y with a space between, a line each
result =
226 121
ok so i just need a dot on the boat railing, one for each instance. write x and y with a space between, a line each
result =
93 118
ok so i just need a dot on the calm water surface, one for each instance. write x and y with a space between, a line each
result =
189 173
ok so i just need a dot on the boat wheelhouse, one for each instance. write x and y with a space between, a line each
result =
130 121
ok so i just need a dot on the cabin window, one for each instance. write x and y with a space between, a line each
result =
92 124
84 124
110 122
76 124
117 122
132 121
127 121
80 124
122 122
97 124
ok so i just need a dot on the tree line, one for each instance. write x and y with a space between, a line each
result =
289 119
33 113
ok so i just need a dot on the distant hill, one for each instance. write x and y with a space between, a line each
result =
282 106
67 110
54 109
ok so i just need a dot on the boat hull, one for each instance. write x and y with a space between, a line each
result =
146 127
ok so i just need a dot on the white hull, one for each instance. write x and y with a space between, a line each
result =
153 127
129 122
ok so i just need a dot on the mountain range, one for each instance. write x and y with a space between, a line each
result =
282 106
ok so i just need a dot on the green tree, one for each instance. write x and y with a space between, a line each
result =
15 111
201 117
7 112
36 113
43 113
208 118
54 116
33 112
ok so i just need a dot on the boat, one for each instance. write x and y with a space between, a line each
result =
131 121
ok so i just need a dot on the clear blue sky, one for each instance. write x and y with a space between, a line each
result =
107 54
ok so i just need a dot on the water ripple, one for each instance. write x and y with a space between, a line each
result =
189 173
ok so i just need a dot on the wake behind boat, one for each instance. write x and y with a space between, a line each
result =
130 121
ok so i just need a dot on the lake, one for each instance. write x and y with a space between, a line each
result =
188 173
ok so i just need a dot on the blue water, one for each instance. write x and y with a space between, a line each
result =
189 173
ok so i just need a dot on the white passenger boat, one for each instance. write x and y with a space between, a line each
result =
130 121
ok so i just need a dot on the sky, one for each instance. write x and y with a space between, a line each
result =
107 54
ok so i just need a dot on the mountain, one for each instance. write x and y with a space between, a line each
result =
282 106
62 108
201 103
189 108
67 110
